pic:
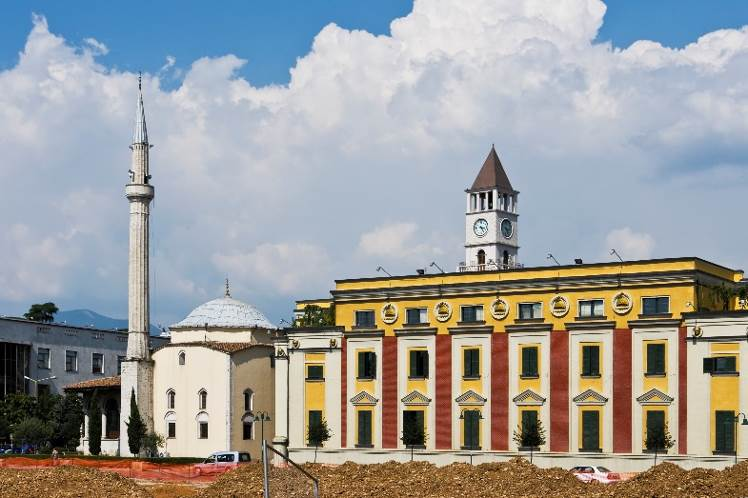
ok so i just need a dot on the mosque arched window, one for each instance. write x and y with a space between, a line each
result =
202 399
170 399
249 400
182 357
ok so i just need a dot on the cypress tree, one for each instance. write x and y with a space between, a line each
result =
94 426
135 427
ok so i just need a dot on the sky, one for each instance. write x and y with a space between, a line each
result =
300 142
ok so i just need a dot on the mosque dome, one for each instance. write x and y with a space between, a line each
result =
225 312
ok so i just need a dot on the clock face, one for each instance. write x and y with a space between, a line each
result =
480 227
506 228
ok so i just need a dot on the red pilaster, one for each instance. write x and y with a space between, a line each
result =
559 369
682 392
622 391
343 392
499 391
389 392
443 391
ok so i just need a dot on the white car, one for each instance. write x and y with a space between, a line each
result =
589 473
221 461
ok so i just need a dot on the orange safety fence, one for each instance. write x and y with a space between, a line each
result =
136 469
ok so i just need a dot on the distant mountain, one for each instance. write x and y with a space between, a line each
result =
87 318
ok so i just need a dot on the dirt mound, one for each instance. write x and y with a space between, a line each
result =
67 481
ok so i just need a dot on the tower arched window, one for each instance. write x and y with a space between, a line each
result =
249 400
481 257
506 259
170 399
182 357
202 399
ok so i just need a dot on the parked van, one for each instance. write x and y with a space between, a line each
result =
221 461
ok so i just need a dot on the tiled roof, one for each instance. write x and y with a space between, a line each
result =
223 347
94 383
492 175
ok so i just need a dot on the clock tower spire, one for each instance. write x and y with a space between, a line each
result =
491 241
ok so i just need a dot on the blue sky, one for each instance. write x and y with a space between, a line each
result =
360 155
272 34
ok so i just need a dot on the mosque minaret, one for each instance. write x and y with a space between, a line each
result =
137 369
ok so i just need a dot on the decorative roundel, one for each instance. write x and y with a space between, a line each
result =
389 313
622 303
499 309
442 311
559 306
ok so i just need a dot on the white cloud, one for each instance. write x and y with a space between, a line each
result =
96 46
370 128
629 244
286 267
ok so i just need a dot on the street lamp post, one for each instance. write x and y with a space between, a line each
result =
262 417
37 381
735 442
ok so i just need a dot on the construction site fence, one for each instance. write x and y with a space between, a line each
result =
135 469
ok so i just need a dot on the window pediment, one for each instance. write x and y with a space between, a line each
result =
654 397
470 398
590 397
364 399
416 398
528 397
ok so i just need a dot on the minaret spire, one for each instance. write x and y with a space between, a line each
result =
137 369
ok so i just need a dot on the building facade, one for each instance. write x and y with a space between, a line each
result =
597 353
56 355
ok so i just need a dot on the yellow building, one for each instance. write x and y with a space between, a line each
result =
599 355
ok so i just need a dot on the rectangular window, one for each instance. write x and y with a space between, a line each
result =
655 359
367 365
530 311
655 305
471 428
203 430
724 431
120 359
471 363
315 372
314 418
529 419
472 314
97 363
590 361
71 361
42 358
171 430
414 316
365 319
419 364
590 308
721 365
364 428
530 361
590 431
414 419
655 421
247 429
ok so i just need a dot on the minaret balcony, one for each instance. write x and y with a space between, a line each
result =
490 266
139 190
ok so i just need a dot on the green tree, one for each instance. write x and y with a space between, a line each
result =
152 442
317 434
41 312
15 408
67 418
530 435
658 440
94 426
136 428
413 434
32 431
316 316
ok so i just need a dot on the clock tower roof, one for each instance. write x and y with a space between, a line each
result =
492 175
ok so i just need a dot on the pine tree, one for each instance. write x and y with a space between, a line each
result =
135 427
317 434
658 440
94 426
413 434
530 435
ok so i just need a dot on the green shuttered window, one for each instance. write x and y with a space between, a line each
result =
364 428
471 363
655 359
590 431
724 431
530 361
591 361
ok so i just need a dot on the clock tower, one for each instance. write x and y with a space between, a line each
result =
491 241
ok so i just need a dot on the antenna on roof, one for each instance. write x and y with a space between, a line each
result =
433 264
614 252
379 268
228 291
550 256
140 79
